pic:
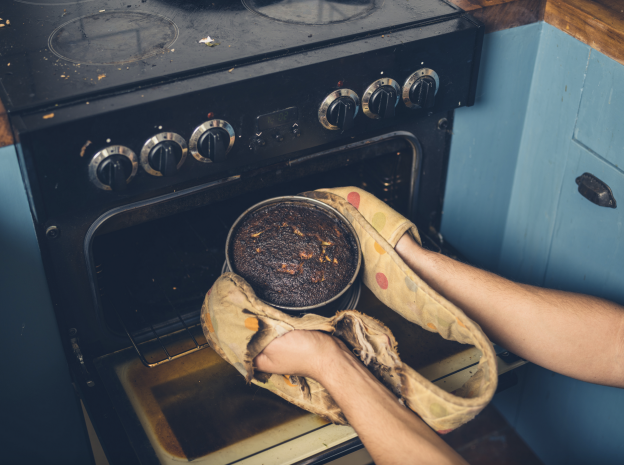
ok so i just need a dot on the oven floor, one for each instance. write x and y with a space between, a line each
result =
199 408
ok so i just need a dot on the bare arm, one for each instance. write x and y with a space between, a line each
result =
391 433
573 334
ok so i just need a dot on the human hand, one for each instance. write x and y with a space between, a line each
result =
301 353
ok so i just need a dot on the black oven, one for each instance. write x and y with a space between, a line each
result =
135 184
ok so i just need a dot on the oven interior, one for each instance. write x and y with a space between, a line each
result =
151 280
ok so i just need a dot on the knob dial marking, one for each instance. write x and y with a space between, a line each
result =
407 87
153 142
112 151
203 128
368 93
331 98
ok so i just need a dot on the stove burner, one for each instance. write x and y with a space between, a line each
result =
311 12
113 37
52 2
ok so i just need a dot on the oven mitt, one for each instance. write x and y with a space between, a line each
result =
238 326
379 228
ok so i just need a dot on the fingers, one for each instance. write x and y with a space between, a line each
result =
296 353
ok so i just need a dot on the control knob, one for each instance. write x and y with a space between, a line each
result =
338 110
420 89
212 141
113 168
381 98
163 154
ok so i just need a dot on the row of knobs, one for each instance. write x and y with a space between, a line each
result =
380 99
162 155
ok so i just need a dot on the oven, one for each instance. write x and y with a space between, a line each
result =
135 177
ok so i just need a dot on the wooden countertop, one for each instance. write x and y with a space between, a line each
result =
503 14
598 23
6 135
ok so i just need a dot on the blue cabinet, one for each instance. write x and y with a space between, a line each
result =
512 206
587 251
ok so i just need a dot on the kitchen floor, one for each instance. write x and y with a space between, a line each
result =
486 440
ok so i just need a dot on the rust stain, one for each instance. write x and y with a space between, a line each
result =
101 76
6 135
84 147
48 116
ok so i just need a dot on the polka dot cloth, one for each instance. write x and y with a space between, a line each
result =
379 249
382 281
379 228
379 221
354 199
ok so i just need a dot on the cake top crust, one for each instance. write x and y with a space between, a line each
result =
294 255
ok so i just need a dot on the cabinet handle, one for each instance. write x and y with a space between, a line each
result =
596 191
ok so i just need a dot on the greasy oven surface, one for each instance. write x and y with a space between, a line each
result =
199 407
150 274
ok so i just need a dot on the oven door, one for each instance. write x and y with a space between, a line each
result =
150 264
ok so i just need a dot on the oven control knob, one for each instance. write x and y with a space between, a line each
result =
422 92
341 113
113 168
212 141
381 98
339 109
114 171
163 154
213 144
383 101
420 89
165 158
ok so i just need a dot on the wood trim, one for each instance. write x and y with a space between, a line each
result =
6 134
598 23
503 14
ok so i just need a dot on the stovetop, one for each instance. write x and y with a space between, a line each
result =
58 51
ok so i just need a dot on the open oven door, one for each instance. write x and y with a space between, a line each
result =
150 269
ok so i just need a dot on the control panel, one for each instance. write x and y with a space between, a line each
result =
164 153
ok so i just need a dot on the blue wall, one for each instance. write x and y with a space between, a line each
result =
485 144
512 206
41 418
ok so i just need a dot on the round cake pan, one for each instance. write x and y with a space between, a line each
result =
298 200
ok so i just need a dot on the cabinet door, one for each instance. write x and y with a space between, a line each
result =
587 250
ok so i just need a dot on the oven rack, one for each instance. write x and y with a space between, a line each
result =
175 344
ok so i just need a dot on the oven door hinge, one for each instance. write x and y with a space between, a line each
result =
78 353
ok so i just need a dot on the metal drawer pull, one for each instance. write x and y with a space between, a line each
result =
596 191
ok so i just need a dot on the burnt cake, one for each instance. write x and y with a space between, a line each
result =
294 255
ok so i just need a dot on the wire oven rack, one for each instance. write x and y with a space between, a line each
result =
173 344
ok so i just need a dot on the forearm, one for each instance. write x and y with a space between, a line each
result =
391 433
573 334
